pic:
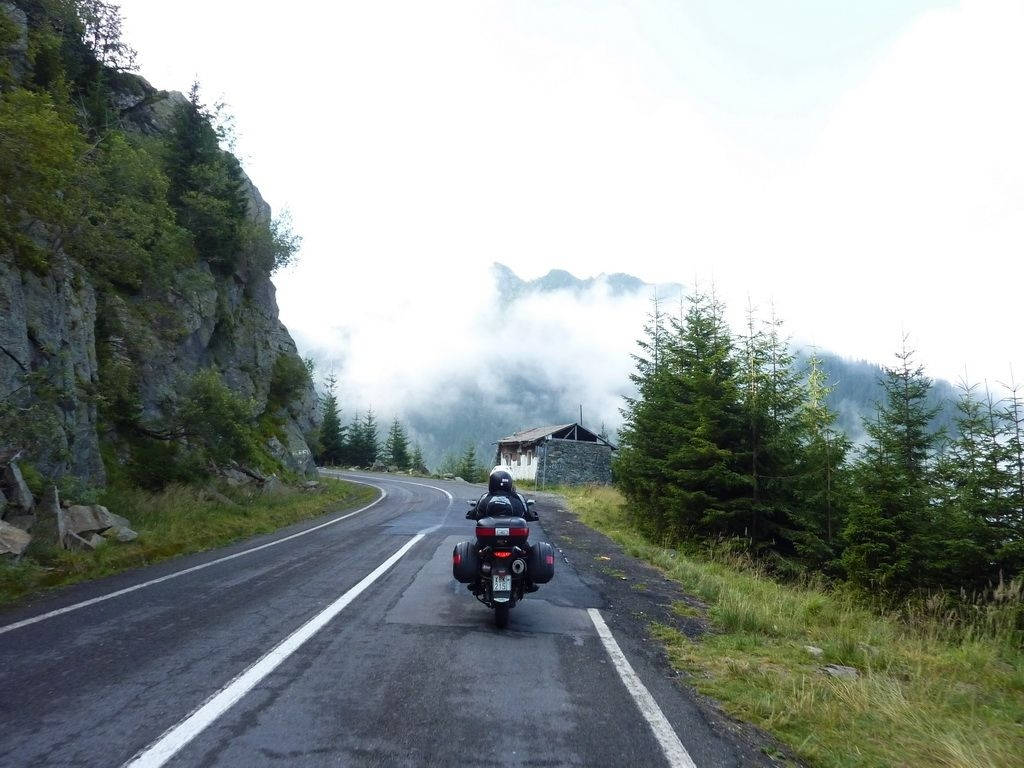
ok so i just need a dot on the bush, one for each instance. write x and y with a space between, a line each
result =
287 380
217 421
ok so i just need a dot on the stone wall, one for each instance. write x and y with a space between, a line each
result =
573 462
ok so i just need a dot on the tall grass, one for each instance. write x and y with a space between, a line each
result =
940 680
176 521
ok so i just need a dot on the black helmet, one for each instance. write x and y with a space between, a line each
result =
500 481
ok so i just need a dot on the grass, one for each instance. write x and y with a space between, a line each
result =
934 688
176 521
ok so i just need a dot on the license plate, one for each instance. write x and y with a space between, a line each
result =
501 531
501 584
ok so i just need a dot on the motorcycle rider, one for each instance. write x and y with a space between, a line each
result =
501 486
502 500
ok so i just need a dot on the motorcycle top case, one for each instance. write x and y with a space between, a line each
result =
465 562
502 532
541 563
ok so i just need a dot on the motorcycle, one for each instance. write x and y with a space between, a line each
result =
500 567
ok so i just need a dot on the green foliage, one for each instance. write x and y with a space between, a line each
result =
288 378
270 245
131 238
332 432
416 463
39 154
396 447
362 448
891 538
206 184
468 468
217 421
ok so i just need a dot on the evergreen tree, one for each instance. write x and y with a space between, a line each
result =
645 439
820 483
771 399
396 447
206 184
332 433
468 467
976 502
890 534
1012 552
706 489
416 463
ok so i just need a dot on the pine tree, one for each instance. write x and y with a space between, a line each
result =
469 468
396 447
975 479
416 463
332 433
206 184
706 488
645 438
890 530
820 484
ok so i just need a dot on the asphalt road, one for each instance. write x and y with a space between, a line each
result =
349 645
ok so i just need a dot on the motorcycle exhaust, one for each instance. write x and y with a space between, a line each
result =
518 567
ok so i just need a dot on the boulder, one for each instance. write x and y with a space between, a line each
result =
80 519
25 522
813 650
76 543
272 486
13 540
120 533
20 496
838 670
235 478
311 485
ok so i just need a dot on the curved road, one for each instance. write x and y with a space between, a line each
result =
342 641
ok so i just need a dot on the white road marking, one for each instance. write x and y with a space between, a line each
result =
671 746
343 475
177 737
193 569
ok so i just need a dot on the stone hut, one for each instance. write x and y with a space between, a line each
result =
565 454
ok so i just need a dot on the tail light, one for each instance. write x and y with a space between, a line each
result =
484 531
503 555
457 558
518 531
549 559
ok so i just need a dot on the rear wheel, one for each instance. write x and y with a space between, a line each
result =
501 615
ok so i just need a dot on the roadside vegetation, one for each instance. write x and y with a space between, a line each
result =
177 520
937 684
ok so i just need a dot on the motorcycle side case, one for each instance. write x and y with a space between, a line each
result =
541 563
465 562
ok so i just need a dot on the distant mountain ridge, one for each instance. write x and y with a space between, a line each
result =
510 285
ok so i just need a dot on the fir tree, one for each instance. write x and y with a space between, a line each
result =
332 433
396 447
820 483
889 533
206 184
416 463
468 467
706 489
645 438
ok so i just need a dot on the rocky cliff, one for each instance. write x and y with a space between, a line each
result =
67 339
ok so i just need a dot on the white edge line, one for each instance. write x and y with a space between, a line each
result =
193 569
671 746
181 734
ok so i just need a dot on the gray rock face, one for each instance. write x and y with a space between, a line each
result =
13 540
21 497
47 329
49 326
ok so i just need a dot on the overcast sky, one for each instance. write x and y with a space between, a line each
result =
861 164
